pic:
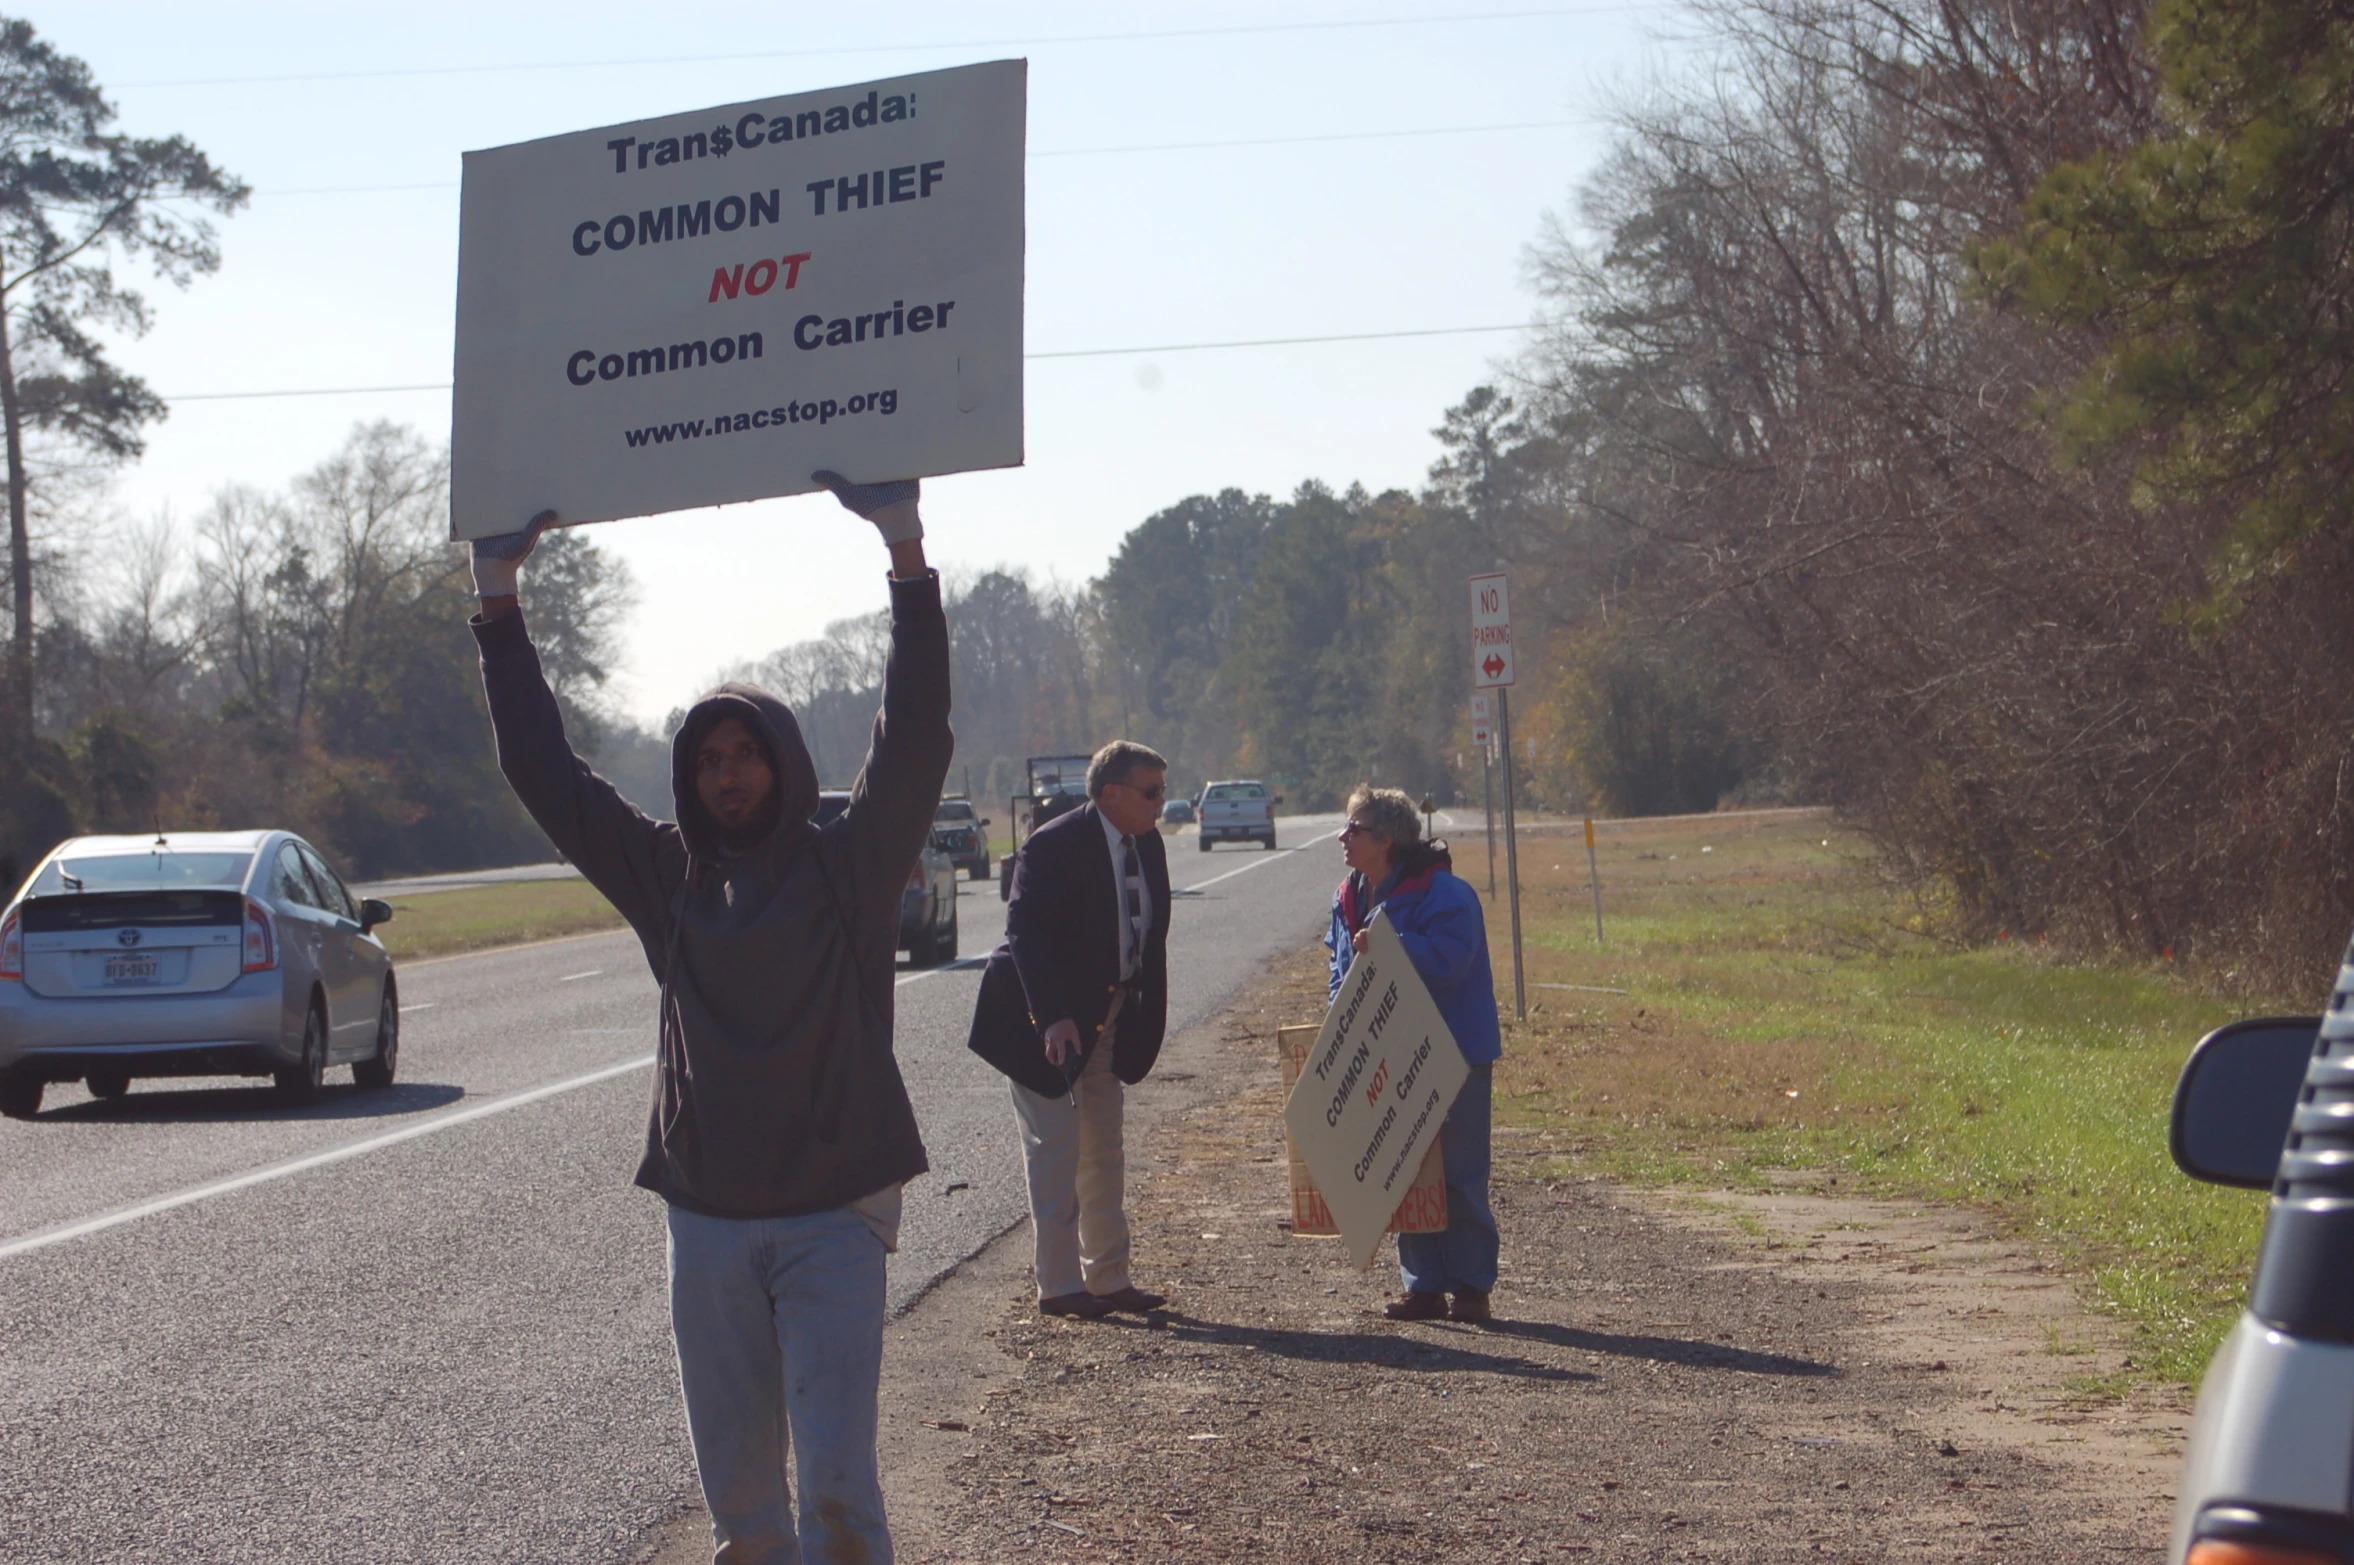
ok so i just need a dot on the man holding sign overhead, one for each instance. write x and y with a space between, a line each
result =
780 1131
1437 919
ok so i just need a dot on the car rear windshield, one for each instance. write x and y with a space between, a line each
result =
100 872
1238 791
953 812
49 915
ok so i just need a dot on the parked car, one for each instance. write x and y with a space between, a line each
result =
1178 812
220 953
1239 810
963 835
927 904
2269 1104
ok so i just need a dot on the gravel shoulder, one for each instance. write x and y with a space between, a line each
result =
1794 1375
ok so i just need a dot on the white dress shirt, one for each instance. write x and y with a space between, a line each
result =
1132 931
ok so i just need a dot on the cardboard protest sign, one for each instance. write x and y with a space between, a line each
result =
705 308
1423 1208
1374 1090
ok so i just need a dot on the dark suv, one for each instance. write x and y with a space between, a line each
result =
962 834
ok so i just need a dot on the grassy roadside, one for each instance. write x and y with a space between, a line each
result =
1784 1016
477 918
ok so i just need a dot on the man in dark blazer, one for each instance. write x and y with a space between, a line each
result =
1072 1007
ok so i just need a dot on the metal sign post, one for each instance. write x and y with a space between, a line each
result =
1485 737
1491 669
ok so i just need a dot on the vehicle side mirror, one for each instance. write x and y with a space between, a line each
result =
984 820
2238 1092
372 913
1278 798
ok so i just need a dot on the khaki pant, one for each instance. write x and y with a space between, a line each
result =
1077 1168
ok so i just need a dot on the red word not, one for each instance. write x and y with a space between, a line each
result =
759 279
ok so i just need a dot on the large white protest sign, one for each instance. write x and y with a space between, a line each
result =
1374 1090
704 308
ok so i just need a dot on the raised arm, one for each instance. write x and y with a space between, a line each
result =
897 791
633 860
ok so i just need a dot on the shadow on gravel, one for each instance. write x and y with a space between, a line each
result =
247 1105
1384 1349
1664 1350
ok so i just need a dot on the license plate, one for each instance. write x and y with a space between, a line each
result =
139 969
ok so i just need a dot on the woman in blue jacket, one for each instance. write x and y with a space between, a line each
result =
1438 920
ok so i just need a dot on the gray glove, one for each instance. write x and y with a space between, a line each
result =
890 506
498 559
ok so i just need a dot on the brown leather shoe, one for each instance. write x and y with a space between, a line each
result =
1417 1306
1134 1299
1470 1307
1084 1306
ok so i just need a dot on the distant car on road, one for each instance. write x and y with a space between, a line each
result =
222 953
1178 812
1238 810
963 835
927 903
2269 1104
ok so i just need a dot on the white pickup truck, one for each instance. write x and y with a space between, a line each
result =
1240 810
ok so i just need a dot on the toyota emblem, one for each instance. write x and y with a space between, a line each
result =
126 937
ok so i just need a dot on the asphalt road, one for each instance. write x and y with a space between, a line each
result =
429 1324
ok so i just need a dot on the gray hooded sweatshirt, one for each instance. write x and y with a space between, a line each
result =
776 1091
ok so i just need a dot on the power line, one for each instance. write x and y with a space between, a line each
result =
893 48
1276 342
1085 152
1066 353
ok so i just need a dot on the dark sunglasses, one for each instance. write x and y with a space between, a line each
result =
1155 793
1357 828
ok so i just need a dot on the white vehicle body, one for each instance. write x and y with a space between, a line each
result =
2268 1478
1239 809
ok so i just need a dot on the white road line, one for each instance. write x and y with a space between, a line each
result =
1258 863
963 964
263 1176
576 977
421 1005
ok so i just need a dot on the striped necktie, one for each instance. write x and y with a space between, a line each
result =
1132 900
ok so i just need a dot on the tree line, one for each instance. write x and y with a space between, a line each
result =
1938 412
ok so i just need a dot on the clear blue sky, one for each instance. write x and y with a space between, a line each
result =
324 285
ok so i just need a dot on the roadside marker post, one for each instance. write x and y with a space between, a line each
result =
1491 669
1594 878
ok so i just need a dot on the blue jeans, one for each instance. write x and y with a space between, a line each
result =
1465 1255
779 1327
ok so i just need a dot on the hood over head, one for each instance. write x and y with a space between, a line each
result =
771 722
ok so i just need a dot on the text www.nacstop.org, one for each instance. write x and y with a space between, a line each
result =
824 410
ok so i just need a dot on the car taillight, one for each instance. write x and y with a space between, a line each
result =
261 941
2218 1551
12 947
915 876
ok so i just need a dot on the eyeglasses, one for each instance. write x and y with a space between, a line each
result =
1355 829
1153 795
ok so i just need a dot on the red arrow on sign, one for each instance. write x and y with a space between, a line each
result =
1493 666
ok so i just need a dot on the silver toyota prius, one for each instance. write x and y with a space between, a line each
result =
218 953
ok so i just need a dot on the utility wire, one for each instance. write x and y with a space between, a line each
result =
892 48
1084 152
1067 353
